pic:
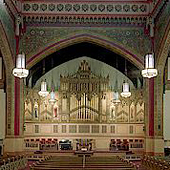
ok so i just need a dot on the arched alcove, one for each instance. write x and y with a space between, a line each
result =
89 49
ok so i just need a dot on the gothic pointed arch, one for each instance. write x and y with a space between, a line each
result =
100 41
161 61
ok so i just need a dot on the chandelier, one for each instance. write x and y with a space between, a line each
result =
20 70
125 93
149 70
43 92
125 87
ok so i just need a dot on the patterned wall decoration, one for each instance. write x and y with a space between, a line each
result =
86 8
85 20
84 13
8 26
161 25
37 39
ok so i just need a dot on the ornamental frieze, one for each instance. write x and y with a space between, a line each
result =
87 8
92 21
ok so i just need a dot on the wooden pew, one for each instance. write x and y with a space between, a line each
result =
92 163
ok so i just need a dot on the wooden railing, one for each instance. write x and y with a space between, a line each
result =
133 157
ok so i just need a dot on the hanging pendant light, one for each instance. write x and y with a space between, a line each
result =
125 87
125 90
149 70
43 92
52 93
20 70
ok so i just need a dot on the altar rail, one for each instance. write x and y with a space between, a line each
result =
133 157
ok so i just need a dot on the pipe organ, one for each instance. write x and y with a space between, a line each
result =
84 98
84 108
82 95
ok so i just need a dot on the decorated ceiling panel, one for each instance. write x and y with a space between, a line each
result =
36 40
48 11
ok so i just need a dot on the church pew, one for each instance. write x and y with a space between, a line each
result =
81 168
92 163
155 163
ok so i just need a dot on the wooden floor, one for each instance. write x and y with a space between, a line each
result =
75 162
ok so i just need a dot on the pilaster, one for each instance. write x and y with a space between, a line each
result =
13 144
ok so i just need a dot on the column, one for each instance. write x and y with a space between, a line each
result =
17 108
2 116
15 142
151 107
158 115
154 144
149 123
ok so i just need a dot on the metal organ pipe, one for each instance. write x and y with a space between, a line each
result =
84 105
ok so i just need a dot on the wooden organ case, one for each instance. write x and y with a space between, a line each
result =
83 96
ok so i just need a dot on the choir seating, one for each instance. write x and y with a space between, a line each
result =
118 144
77 163
41 144
126 144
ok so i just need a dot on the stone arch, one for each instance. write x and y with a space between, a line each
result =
85 38
160 64
9 65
